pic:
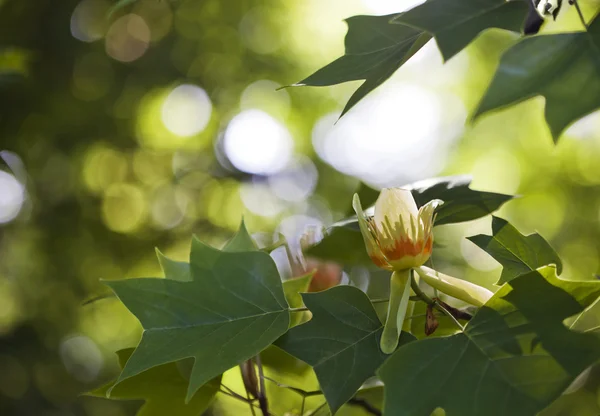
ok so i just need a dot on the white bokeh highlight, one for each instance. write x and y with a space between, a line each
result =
12 197
398 133
257 143
186 110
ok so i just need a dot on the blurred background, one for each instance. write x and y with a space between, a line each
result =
125 131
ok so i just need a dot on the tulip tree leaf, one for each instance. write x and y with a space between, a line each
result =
180 270
461 203
564 68
518 254
174 270
455 23
374 50
341 341
232 309
515 357
241 241
344 243
163 389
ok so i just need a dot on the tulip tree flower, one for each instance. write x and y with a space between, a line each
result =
399 238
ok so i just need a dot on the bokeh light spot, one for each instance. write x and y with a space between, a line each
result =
81 357
128 38
88 21
263 95
12 197
103 166
395 135
124 208
255 142
187 110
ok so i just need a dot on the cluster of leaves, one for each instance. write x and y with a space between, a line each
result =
564 68
224 307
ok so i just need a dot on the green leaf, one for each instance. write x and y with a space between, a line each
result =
232 309
292 289
455 23
241 241
341 341
563 68
180 270
515 357
174 270
518 254
375 49
461 203
342 244
345 244
163 389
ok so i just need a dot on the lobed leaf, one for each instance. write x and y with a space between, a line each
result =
515 357
518 253
374 50
341 341
163 389
455 23
232 309
563 68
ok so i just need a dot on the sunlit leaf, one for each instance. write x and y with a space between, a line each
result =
163 389
461 203
341 341
564 68
292 288
374 50
518 254
233 308
455 23
515 357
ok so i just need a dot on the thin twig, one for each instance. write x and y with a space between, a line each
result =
262 396
97 298
576 3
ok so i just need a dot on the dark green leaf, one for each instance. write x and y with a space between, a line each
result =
180 270
518 254
515 357
174 270
455 23
233 308
344 243
163 388
341 341
564 68
375 49
461 203
241 241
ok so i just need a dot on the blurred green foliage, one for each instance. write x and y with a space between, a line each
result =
97 172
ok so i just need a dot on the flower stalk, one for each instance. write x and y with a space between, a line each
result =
397 307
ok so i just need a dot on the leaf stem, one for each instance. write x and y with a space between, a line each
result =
415 287
576 3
